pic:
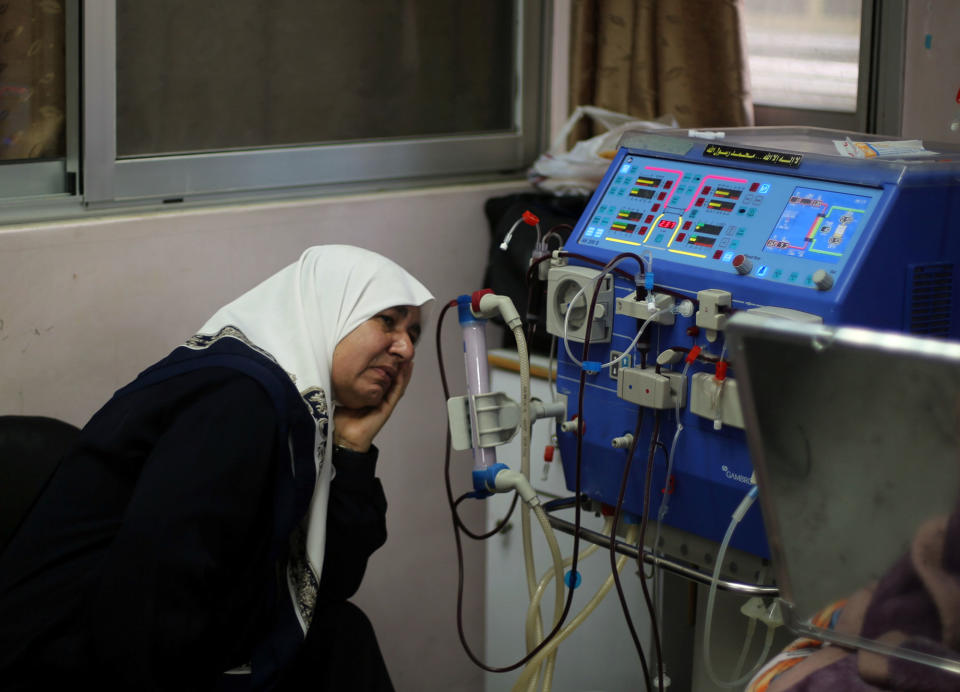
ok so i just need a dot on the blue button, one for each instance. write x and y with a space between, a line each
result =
728 257
762 271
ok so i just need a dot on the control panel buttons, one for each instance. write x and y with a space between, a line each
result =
742 264
822 280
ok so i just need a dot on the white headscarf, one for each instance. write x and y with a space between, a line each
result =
298 316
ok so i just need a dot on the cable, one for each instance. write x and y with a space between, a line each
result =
647 483
613 549
459 526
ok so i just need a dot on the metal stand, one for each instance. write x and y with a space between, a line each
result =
649 557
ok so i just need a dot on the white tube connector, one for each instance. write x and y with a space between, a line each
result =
670 357
492 304
622 442
509 479
540 410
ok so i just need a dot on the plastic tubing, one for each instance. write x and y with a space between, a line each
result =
566 328
542 587
529 563
665 502
741 510
633 344
527 534
606 270
591 605
558 564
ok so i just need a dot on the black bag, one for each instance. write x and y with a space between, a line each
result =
507 269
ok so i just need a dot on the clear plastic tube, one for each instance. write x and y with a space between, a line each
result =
636 339
607 270
541 589
665 501
629 349
738 514
566 329
534 664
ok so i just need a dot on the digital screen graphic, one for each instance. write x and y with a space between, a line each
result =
818 224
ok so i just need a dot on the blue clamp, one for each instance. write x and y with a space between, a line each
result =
648 281
573 577
592 367
484 481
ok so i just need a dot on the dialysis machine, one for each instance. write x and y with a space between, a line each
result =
773 221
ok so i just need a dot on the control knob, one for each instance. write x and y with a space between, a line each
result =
822 280
742 264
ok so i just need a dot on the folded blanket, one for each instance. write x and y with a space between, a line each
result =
915 605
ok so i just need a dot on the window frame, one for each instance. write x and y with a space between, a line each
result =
107 180
879 99
56 180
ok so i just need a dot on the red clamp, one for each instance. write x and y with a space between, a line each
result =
548 453
606 510
694 352
475 298
721 374
530 218
671 486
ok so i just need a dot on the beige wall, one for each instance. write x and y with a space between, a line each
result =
930 80
86 305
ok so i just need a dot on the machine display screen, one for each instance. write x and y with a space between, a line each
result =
818 224
705 215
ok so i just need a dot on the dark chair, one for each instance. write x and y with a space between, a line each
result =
30 449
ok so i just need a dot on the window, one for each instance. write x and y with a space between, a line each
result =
193 77
37 98
828 63
183 100
804 54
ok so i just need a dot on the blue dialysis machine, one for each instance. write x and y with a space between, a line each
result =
769 220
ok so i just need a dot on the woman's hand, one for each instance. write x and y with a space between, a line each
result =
355 428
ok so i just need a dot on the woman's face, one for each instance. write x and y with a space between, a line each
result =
367 361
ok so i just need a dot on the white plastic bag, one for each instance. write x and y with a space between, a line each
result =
579 170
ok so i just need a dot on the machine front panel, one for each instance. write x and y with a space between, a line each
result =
704 216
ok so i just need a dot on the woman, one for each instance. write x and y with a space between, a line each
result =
210 518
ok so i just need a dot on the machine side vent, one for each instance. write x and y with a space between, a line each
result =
930 298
